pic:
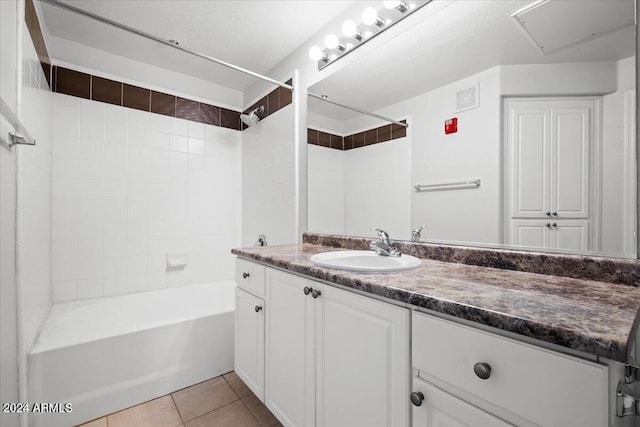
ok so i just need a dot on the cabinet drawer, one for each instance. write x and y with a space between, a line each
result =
545 387
250 276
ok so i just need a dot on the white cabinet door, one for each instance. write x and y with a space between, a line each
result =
249 341
570 234
362 360
565 234
441 409
533 233
289 349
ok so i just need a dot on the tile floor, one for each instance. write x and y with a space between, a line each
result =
224 401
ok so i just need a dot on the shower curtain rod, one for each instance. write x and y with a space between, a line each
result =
165 42
357 110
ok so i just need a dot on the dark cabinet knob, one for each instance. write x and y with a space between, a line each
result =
417 397
548 213
482 370
245 275
555 214
548 225
258 308
554 225
307 290
315 293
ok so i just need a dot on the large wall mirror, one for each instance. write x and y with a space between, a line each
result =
521 130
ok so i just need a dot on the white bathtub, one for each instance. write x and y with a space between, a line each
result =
108 354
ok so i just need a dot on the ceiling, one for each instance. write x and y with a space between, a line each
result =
467 37
255 35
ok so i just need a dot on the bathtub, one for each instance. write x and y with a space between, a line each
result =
107 354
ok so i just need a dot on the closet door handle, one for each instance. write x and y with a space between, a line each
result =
258 308
307 290
417 397
315 294
245 275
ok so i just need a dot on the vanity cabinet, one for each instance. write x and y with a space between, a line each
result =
332 357
458 366
249 325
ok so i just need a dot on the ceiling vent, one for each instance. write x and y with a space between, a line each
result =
553 25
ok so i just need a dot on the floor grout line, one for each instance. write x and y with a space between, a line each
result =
251 413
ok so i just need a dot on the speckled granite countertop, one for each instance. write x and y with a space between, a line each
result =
595 317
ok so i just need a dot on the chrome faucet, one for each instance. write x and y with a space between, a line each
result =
384 246
416 234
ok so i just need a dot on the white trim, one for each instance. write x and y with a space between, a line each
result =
629 239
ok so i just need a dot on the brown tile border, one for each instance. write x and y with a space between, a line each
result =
356 140
33 25
87 86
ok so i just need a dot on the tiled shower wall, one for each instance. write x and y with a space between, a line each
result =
129 187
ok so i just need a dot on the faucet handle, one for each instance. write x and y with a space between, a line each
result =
383 235
417 233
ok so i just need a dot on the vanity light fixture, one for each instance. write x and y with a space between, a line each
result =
373 22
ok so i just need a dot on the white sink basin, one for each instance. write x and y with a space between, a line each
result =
367 261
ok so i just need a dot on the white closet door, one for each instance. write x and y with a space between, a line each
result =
570 140
529 141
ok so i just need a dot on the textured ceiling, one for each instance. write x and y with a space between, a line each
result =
255 35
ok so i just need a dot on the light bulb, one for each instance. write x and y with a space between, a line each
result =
349 28
316 53
398 5
331 41
369 16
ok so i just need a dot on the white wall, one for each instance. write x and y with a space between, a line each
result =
471 215
326 187
268 180
377 190
613 159
130 187
25 191
34 197
8 282
89 60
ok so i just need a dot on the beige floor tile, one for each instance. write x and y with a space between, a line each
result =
100 422
204 397
261 412
232 415
160 412
237 384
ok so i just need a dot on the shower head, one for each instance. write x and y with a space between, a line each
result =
252 118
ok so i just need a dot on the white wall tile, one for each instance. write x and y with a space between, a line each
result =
153 186
179 127
160 123
159 140
179 143
65 291
196 146
196 130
